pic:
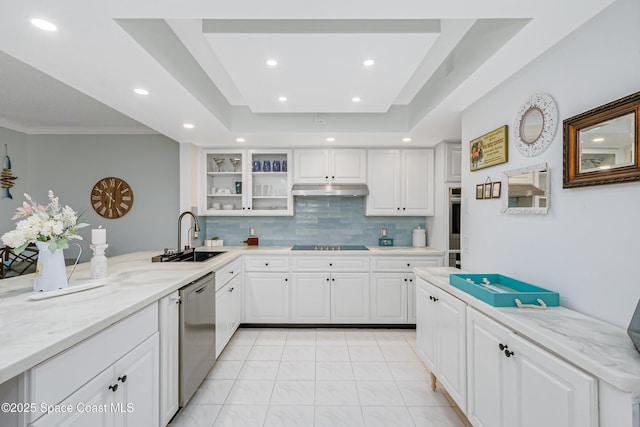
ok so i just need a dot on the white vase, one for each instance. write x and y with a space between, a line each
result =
51 273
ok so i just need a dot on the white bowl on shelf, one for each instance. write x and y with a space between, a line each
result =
227 207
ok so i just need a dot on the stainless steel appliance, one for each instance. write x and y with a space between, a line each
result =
345 190
455 199
197 334
329 248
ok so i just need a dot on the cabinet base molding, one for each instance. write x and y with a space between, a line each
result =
330 325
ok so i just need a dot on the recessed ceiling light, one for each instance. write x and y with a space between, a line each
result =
43 24
141 91
240 140
406 139
331 139
188 125
282 98
598 139
356 99
368 62
272 62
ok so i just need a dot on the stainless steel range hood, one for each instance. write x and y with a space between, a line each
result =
344 190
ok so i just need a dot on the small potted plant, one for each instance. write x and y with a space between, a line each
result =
214 241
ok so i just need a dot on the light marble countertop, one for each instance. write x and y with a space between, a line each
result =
33 331
604 350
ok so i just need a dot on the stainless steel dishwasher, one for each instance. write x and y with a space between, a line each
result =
197 334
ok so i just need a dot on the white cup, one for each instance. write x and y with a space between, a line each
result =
267 190
215 206
257 190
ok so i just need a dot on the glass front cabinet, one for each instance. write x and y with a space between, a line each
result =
246 182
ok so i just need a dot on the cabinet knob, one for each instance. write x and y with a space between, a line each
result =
286 279
326 177
333 177
405 279
266 264
249 208
113 387
435 299
327 279
404 209
122 378
243 208
333 280
330 264
508 353
231 272
411 280
502 346
398 208
408 264
230 289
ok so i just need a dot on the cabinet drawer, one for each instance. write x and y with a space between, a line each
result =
332 262
266 263
227 272
56 378
402 263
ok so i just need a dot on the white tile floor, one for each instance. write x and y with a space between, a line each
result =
318 377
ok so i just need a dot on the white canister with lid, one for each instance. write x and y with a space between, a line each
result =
419 237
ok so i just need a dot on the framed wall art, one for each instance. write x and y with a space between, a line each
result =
490 149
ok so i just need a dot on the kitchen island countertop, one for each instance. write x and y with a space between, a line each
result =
34 330
604 350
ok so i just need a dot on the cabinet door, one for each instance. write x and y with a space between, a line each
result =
417 197
223 314
95 393
137 375
486 374
546 391
311 166
235 305
311 298
221 170
168 326
350 297
267 297
389 297
268 193
426 323
411 298
451 345
453 162
383 180
348 165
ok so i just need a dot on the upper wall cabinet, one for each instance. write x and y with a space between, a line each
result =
330 165
245 182
401 182
453 162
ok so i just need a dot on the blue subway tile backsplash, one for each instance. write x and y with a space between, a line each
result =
317 221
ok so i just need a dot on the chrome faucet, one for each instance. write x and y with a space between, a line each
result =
196 229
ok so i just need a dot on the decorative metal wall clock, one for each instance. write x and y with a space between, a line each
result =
112 197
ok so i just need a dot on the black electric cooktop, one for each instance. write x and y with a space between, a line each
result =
329 248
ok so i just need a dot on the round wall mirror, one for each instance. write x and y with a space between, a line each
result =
531 125
535 124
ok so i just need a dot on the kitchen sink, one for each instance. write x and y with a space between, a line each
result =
185 256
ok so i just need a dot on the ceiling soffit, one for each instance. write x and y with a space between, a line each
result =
424 84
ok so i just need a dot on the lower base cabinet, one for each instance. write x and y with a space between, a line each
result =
228 312
169 329
267 297
125 394
441 342
513 382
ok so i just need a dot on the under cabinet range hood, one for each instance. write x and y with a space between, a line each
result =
344 190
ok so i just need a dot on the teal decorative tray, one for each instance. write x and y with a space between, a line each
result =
502 291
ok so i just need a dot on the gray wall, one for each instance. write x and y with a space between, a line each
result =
70 165
17 146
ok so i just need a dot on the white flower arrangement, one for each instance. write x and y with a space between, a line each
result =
49 223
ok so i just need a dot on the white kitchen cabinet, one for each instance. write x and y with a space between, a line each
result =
311 298
390 276
513 382
337 288
127 391
441 339
401 182
236 182
389 297
330 165
266 263
453 162
267 297
168 325
228 311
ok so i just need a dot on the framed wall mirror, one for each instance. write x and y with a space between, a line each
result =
601 146
527 190
535 124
